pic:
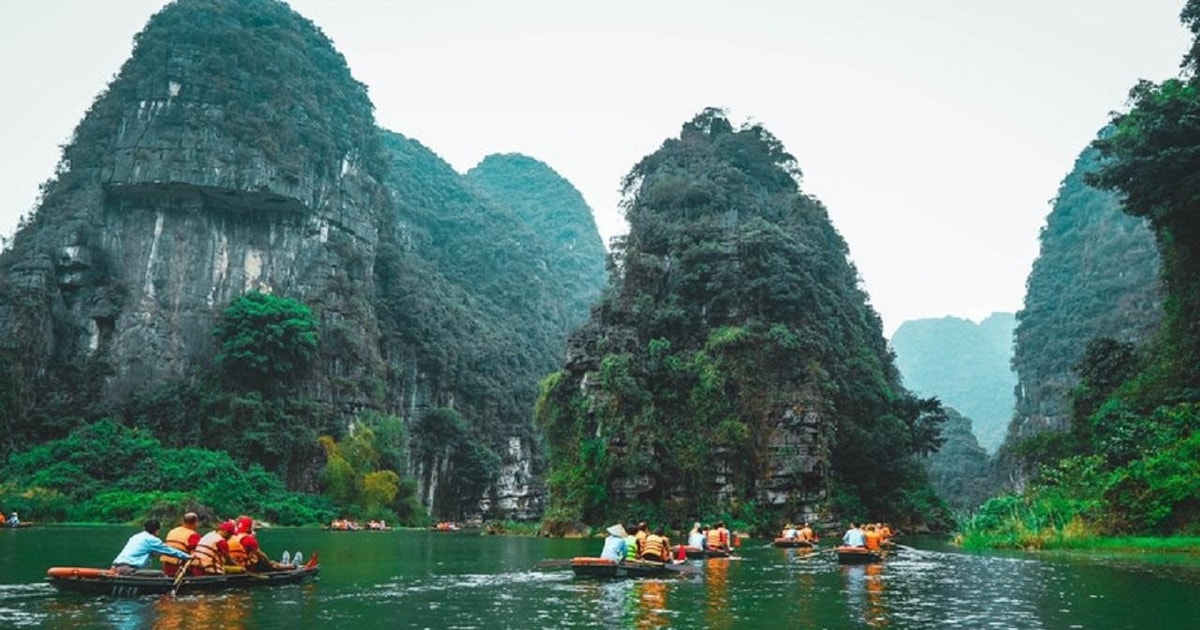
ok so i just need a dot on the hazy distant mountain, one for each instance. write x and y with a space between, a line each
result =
966 365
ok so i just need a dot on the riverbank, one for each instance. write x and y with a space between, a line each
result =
1067 540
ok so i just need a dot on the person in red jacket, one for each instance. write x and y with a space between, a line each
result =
245 548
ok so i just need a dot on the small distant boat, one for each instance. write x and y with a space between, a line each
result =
794 543
106 582
589 567
857 555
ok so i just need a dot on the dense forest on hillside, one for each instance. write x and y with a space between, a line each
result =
733 367
965 365
1129 459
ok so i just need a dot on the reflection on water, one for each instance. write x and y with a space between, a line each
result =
218 610
865 593
716 579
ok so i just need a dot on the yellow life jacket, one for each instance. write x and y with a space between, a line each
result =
631 547
657 546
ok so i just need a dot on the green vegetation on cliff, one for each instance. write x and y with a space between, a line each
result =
1130 462
734 365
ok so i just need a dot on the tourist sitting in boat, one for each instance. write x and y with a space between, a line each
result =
184 538
140 546
790 532
614 545
13 520
632 544
807 534
212 551
871 537
696 537
656 547
854 537
718 537
244 549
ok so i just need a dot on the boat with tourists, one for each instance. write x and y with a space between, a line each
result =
857 555
590 567
696 553
794 543
106 582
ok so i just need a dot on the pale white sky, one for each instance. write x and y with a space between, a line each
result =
935 131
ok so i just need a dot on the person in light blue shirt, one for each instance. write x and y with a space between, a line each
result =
139 548
615 546
854 537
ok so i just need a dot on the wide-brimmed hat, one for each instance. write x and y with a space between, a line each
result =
618 530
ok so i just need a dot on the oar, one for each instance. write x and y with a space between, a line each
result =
183 569
683 567
550 564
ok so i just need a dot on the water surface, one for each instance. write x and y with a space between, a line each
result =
422 579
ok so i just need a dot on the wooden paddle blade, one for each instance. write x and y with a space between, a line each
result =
556 563
683 567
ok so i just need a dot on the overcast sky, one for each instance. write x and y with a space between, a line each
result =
935 131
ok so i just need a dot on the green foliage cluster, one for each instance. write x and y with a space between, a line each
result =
265 340
112 473
362 475
732 307
1129 465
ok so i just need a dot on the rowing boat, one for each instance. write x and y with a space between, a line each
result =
590 567
106 582
794 542
857 555
696 553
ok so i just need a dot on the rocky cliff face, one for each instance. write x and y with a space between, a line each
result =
1096 275
166 207
732 359
235 152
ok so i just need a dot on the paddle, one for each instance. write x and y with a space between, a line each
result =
556 563
183 569
683 567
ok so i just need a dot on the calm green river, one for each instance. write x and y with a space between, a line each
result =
420 579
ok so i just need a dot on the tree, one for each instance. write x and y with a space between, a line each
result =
265 340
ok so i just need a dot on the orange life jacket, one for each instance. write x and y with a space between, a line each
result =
717 538
177 538
209 553
872 538
237 551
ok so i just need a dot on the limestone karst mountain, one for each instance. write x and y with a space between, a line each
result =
234 152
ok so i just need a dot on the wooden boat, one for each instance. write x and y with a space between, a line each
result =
585 566
106 582
794 543
696 553
857 555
